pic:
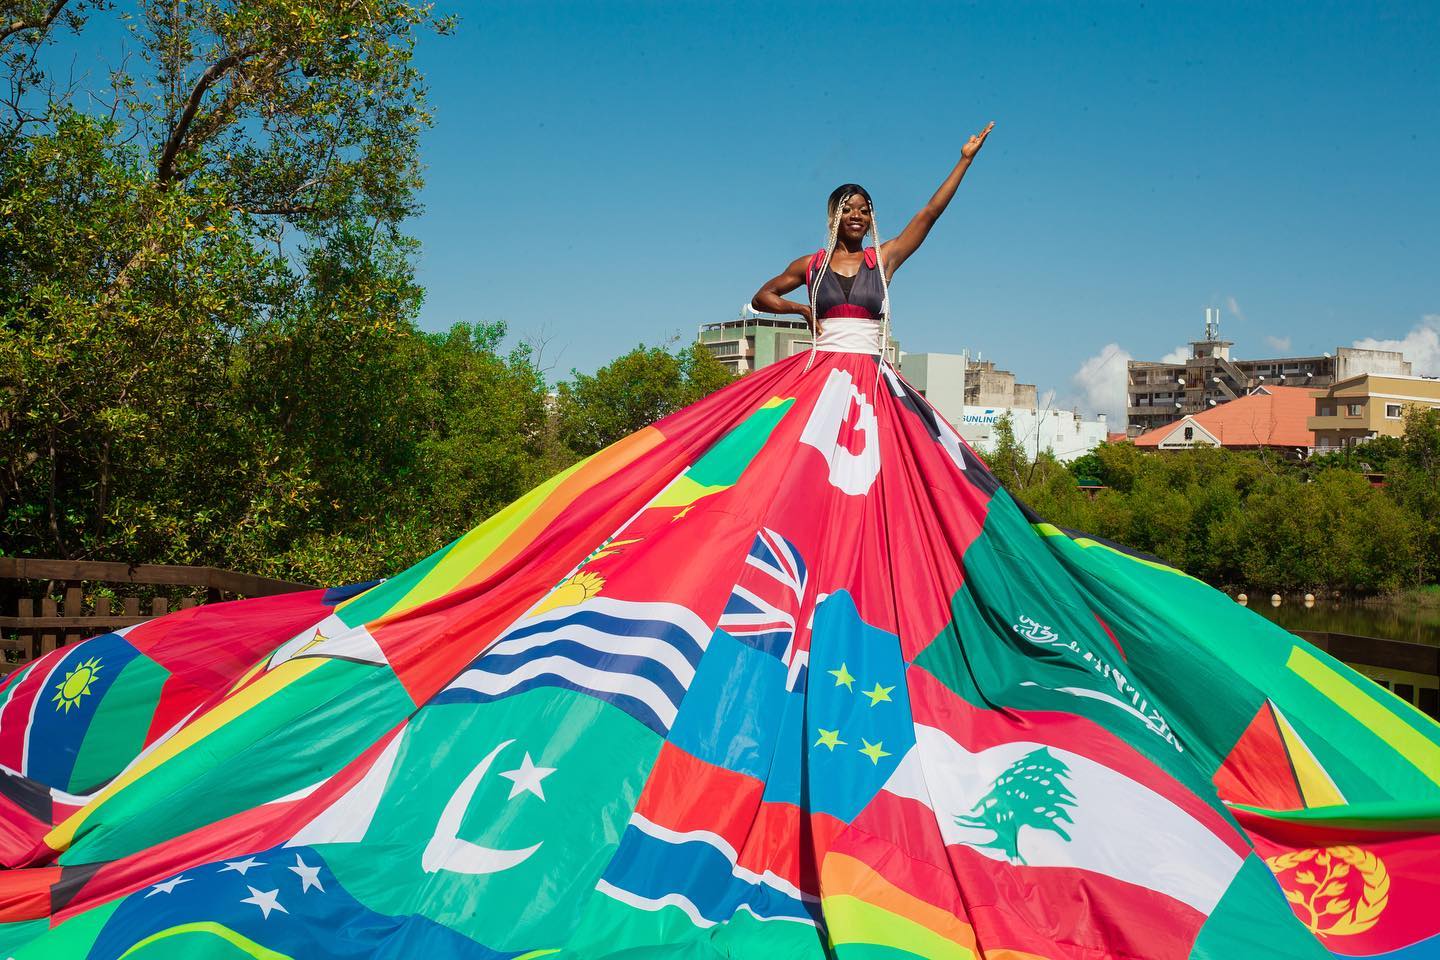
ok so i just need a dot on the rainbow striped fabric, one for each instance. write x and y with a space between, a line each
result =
786 675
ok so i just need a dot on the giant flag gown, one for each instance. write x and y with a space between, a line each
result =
787 674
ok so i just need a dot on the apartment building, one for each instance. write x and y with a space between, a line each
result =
1162 392
1363 407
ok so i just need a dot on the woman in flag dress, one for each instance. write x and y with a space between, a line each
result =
848 283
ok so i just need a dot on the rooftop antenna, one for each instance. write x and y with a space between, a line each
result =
1212 323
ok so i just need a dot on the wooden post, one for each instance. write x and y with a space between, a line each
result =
74 607
47 634
131 606
27 637
159 606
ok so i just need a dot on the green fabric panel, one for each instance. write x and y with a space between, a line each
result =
73 938
723 463
295 738
601 758
1253 919
1015 586
872 951
1200 640
116 734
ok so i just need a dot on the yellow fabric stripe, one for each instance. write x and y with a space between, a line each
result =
480 550
198 729
1050 530
247 676
685 491
237 940
852 920
1316 787
845 875
1419 750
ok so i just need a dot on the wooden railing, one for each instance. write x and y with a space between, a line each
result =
42 623
1411 671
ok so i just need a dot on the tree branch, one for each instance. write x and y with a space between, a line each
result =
43 24
213 74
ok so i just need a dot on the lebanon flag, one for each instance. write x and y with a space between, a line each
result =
1066 840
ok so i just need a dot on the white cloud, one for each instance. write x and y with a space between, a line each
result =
1234 307
1278 343
1421 345
1179 355
1100 384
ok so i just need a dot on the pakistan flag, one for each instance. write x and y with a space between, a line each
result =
496 819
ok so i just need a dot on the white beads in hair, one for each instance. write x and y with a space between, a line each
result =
815 279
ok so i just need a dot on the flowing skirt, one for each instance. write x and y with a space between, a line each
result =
786 675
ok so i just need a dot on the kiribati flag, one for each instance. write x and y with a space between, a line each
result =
764 605
638 656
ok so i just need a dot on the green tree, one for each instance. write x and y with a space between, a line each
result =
1007 459
1031 792
1413 482
206 302
633 391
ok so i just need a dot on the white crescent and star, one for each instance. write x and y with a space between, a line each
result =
446 851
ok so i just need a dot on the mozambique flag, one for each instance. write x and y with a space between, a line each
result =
786 675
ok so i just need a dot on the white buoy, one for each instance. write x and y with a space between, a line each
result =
1242 599
1309 598
1274 599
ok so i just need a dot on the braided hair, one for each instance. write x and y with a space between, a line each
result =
835 207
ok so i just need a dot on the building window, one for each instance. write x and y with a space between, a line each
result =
1354 409
1392 411
1323 411
1189 433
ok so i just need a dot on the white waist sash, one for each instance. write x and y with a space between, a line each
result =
849 335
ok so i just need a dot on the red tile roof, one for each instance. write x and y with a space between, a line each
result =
1115 436
1274 418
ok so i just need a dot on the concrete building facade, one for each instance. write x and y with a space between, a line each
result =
1162 392
974 394
1062 432
752 341
1363 407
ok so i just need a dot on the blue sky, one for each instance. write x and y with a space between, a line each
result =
607 174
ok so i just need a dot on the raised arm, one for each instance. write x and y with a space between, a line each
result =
771 298
896 251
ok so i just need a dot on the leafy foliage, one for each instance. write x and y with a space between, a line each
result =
1258 521
633 391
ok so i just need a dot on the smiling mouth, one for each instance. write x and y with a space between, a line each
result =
854 224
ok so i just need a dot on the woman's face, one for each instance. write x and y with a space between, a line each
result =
854 217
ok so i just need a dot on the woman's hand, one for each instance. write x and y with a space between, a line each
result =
973 145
